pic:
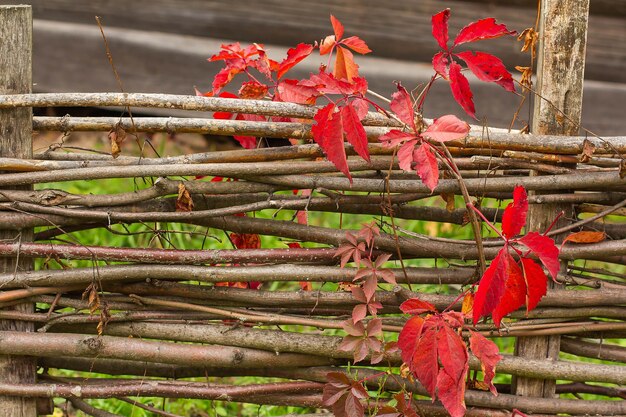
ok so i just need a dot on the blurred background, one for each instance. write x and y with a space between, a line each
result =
163 46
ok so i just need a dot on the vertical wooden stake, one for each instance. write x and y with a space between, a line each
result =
16 142
557 111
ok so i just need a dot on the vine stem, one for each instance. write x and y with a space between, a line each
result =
468 203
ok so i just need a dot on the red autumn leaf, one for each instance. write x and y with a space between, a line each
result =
404 406
294 91
488 354
425 363
514 217
327 83
543 247
361 106
480 30
440 64
514 295
343 395
451 394
426 165
585 237
488 68
536 283
357 44
245 240
461 90
440 28
355 133
328 133
345 67
417 306
491 286
405 155
395 137
409 335
294 55
451 378
252 90
447 128
337 27
402 106
352 249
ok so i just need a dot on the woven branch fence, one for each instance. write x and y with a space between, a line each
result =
156 314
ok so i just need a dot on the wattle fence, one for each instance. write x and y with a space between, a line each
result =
158 315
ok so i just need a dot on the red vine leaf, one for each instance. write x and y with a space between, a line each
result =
461 89
488 354
451 378
426 165
328 133
544 248
345 67
480 30
402 106
407 340
294 56
514 217
352 249
295 91
491 286
488 68
514 295
355 133
417 306
343 395
536 283
253 90
440 64
447 128
440 28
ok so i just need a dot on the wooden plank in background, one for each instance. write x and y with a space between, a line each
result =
398 29
167 63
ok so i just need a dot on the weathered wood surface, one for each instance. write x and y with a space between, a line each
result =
560 74
16 142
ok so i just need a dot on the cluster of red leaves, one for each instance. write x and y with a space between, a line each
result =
415 152
508 283
363 339
436 354
340 119
484 66
344 395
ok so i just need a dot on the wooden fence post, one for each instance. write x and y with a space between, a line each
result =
16 142
557 111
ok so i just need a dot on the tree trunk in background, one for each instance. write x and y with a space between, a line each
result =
557 111
16 142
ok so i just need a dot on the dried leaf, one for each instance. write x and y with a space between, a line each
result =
585 237
588 149
184 202
116 137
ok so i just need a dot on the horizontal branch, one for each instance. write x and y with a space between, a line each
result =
495 140
170 389
231 170
180 102
604 351
57 344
